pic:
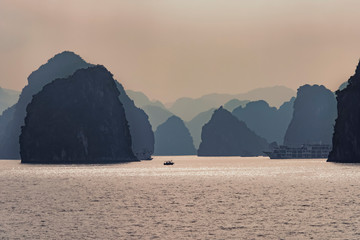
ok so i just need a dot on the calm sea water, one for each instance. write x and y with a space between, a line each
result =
197 198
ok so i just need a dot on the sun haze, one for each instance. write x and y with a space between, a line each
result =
174 48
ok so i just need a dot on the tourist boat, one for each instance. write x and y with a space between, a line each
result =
169 163
305 151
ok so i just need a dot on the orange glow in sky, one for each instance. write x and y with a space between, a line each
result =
173 48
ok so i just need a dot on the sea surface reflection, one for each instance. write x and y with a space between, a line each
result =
197 198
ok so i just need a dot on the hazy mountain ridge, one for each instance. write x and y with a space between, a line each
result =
173 138
188 108
157 115
195 125
225 135
8 98
268 122
141 100
143 139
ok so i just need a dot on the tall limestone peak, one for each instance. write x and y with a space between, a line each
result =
78 119
225 135
63 65
173 138
346 137
268 122
313 117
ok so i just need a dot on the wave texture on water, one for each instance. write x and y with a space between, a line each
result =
197 198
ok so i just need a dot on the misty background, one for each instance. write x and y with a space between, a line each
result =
185 48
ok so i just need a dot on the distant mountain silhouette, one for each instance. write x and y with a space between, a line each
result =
196 124
313 118
78 119
143 139
267 122
343 86
225 135
173 138
346 138
60 66
5 118
141 100
234 103
8 98
63 65
188 108
157 115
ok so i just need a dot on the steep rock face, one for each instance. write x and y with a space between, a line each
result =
313 118
346 138
266 121
173 138
225 135
60 66
196 124
77 120
140 128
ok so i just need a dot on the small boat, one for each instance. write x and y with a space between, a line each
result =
169 163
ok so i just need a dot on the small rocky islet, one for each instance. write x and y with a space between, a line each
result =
225 135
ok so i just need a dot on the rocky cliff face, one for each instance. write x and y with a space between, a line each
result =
60 66
268 122
78 119
313 118
346 138
196 124
225 135
173 138
140 128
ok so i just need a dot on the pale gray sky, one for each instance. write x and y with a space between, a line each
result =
173 48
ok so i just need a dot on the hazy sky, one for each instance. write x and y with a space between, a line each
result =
173 48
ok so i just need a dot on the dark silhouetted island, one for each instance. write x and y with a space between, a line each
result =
346 138
225 135
77 120
173 138
60 66
63 65
313 118
268 122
